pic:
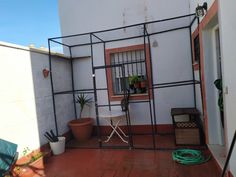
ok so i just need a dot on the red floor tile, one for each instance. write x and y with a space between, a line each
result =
122 163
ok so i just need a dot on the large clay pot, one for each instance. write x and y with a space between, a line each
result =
81 128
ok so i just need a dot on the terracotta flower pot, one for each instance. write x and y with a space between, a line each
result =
45 72
81 128
24 168
26 165
143 84
137 85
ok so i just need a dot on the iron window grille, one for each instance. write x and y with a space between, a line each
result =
134 65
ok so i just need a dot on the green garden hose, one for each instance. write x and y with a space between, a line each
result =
189 157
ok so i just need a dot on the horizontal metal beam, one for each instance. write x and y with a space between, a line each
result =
107 66
165 83
132 37
174 85
128 26
166 31
97 37
59 43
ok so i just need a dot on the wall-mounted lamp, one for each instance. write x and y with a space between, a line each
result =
200 10
45 72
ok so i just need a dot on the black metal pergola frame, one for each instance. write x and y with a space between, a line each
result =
146 40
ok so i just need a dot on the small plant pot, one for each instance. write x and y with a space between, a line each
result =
45 73
143 84
137 85
24 167
59 146
81 128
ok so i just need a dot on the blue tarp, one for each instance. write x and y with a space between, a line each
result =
7 155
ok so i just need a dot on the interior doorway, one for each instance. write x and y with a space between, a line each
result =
213 84
219 74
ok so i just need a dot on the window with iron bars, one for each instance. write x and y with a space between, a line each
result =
131 75
134 72
196 49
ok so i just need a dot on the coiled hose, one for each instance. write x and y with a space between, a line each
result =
189 157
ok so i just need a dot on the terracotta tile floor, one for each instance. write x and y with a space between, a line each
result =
122 163
139 141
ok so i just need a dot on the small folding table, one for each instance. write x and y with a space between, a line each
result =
114 118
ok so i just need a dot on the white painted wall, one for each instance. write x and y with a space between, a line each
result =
171 59
210 74
87 16
163 71
26 110
227 24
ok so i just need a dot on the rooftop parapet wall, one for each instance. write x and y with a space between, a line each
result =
25 95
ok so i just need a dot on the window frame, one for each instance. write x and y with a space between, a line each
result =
141 96
194 36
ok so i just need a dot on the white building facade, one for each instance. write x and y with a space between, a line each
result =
171 58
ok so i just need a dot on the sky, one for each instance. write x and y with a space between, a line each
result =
26 22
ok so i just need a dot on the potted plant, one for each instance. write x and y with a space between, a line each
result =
143 82
218 85
135 80
82 128
29 161
57 143
131 84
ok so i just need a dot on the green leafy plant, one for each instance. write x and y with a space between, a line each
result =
36 156
134 79
26 150
130 80
83 100
143 79
31 155
218 84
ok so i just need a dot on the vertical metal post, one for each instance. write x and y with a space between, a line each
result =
200 71
108 94
132 65
150 106
72 82
118 57
126 112
52 87
193 74
229 154
104 50
95 93
153 101
136 60
141 64
126 61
